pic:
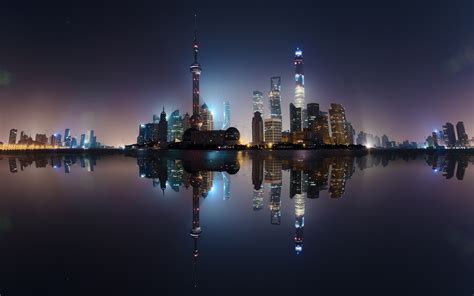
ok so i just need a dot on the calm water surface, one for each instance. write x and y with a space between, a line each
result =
227 222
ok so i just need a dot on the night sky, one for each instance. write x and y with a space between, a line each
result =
402 68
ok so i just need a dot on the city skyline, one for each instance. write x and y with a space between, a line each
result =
378 105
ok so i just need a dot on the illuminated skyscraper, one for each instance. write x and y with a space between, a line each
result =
295 118
175 127
67 138
449 135
195 120
82 141
299 87
90 140
312 113
226 123
55 140
337 117
12 137
207 118
257 129
272 130
275 97
257 101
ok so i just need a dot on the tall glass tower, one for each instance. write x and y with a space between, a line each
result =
226 123
299 86
275 97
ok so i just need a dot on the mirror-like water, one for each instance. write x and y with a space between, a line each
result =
224 222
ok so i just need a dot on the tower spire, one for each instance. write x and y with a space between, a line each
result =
195 43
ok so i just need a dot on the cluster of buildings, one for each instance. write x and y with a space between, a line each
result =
86 141
308 124
197 130
449 137
371 141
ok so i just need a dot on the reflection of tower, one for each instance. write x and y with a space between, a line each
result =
461 169
195 120
196 182
257 179
207 182
175 173
341 171
12 164
448 167
226 185
296 193
273 176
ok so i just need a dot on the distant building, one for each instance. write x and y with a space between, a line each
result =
12 136
449 135
82 141
275 97
175 127
163 128
90 140
257 100
186 123
295 118
55 140
463 139
338 124
257 129
272 130
385 141
41 139
226 123
207 118
67 138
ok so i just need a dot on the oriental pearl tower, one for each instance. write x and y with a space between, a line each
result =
195 121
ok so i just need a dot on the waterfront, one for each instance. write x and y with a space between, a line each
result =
333 223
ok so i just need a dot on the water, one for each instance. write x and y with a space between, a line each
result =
264 223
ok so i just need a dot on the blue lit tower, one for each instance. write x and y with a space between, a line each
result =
195 120
275 97
299 82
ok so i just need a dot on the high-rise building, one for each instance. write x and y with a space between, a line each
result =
55 140
67 138
275 97
463 139
337 117
175 127
272 130
299 86
350 134
90 140
195 68
163 128
385 141
295 118
207 118
321 129
82 142
449 135
312 113
435 139
226 123
257 129
12 136
257 100
41 139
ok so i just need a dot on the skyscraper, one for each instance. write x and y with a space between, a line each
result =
55 140
226 123
12 137
337 117
321 128
449 135
299 86
295 118
312 113
207 118
186 123
257 129
275 97
163 128
385 141
463 139
257 101
272 130
90 140
175 127
82 142
196 120
350 134
67 138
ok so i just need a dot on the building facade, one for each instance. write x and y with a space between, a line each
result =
257 129
337 116
257 101
272 130
275 97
